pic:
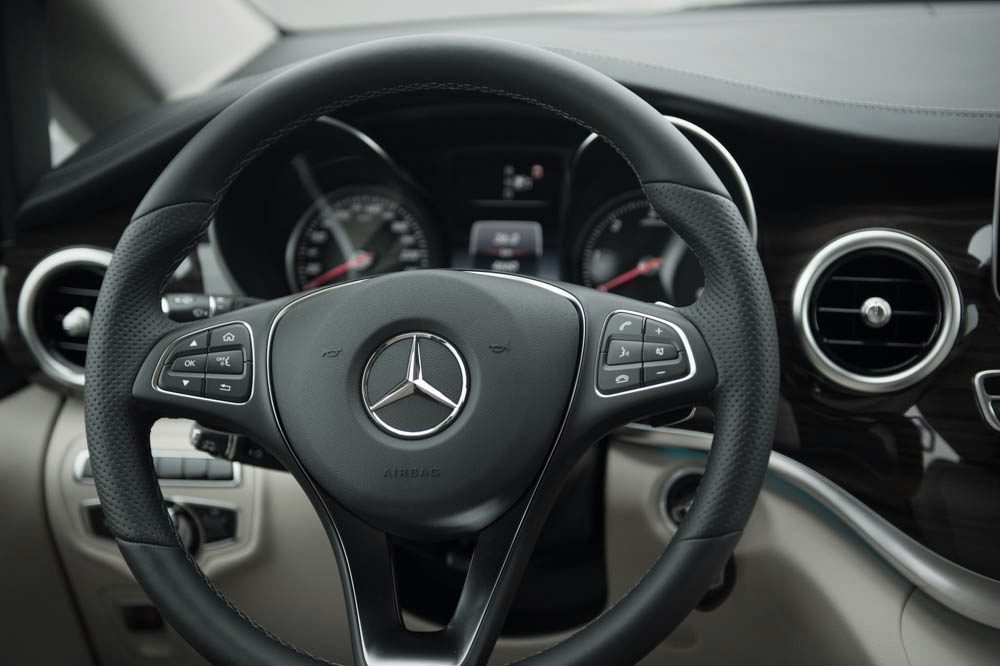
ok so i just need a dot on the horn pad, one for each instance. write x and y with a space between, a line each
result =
425 402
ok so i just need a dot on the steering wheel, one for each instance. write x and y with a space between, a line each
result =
433 403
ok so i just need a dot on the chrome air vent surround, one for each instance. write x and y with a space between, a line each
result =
54 310
876 310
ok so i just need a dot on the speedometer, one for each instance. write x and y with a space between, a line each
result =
355 232
627 249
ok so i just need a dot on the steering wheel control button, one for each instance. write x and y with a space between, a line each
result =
232 336
229 389
214 364
640 352
624 326
623 352
658 331
659 351
414 385
194 363
186 384
225 362
664 371
613 379
192 344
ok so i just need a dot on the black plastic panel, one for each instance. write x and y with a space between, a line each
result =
922 458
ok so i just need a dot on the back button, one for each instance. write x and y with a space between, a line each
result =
230 388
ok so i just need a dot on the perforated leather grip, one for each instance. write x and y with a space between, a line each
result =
127 321
735 315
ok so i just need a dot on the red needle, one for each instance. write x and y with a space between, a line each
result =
641 269
338 270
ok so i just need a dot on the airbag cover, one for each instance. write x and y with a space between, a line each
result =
519 342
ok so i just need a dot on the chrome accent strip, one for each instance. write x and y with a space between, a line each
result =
915 249
562 427
964 591
53 367
983 398
369 659
677 329
686 125
996 230
83 456
734 167
367 140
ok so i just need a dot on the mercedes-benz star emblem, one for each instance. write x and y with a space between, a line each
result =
414 385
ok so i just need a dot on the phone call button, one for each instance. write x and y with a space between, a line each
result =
624 326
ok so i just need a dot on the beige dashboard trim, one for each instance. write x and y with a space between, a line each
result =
964 591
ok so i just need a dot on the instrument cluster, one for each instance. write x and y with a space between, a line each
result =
336 202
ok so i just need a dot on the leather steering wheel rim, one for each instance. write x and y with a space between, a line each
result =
734 315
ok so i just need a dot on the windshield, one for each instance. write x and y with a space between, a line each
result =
302 15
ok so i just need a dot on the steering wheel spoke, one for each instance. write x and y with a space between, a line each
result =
365 555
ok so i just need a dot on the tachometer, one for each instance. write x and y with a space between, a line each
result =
355 232
627 249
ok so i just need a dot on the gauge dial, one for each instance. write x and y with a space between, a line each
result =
627 249
356 232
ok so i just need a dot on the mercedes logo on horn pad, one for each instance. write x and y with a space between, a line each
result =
414 385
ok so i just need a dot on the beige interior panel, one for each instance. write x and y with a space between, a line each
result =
37 622
803 587
279 568
934 635
804 584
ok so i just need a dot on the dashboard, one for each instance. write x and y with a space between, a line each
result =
505 190
465 181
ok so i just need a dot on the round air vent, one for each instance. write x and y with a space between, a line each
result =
876 310
55 308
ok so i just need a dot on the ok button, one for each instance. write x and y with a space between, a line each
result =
195 363
621 352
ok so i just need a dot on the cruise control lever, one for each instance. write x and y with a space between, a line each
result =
230 446
191 307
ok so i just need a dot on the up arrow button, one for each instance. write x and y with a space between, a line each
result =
192 344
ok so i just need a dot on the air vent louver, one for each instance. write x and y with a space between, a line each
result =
854 343
877 310
66 301
55 307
